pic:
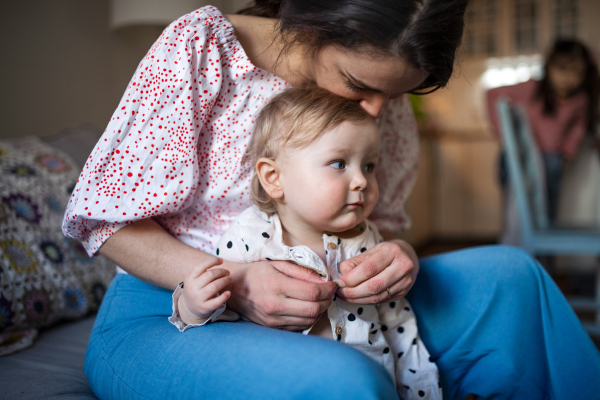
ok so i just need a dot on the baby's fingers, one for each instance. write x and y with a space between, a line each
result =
200 269
217 302
212 289
210 276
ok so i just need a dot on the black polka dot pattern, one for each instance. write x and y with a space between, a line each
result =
400 354
386 350
359 311
229 245
217 251
269 259
400 329
247 249
351 317
421 393
412 370
265 235
363 249
393 304
383 328
407 309
414 341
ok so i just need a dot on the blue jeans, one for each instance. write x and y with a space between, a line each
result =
493 320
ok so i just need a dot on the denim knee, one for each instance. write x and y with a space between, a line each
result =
516 268
355 376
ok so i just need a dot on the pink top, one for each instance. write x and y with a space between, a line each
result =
560 133
174 148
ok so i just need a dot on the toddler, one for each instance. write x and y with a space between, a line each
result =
314 186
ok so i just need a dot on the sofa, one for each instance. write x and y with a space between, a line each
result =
43 355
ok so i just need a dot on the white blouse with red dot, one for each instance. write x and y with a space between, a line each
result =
173 150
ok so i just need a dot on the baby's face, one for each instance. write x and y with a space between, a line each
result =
330 183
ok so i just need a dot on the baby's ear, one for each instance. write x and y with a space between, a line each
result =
269 175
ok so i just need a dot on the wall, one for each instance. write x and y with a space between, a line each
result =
62 66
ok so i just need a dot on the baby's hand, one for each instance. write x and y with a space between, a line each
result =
200 297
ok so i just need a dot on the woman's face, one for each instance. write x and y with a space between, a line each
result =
359 76
566 75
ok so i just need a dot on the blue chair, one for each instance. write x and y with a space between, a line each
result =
538 236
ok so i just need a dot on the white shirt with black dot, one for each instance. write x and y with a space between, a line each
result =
385 332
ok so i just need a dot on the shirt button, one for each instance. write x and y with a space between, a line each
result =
332 246
338 330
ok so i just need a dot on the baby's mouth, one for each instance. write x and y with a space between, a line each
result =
356 204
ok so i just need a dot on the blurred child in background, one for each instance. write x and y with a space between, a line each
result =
561 108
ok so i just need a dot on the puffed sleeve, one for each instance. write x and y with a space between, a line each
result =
146 162
398 164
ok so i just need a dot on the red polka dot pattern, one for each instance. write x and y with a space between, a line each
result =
173 150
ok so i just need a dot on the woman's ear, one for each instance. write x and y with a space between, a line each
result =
269 175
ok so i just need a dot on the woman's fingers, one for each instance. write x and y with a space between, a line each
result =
365 266
384 266
279 294
297 271
307 291
398 291
392 277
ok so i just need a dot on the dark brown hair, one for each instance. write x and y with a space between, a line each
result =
573 50
424 32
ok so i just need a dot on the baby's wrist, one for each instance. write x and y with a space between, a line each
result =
186 315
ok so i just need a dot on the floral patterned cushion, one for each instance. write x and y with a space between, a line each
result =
44 277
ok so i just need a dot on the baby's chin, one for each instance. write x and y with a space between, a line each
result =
345 224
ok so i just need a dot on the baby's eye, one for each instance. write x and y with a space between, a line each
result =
338 164
369 167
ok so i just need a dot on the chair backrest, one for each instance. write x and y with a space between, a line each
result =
525 168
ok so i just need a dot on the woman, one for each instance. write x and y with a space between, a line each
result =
561 108
168 176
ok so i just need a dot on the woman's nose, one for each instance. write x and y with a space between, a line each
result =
374 104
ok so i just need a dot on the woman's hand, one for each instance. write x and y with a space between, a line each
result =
278 294
366 277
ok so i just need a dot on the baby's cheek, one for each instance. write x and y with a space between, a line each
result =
333 195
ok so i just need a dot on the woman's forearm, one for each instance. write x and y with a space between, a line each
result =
148 252
263 292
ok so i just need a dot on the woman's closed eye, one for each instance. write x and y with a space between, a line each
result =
354 88
339 164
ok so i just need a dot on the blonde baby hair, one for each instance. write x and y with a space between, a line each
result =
293 119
